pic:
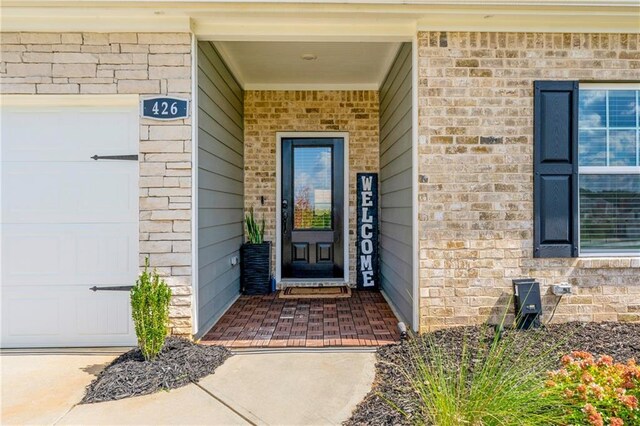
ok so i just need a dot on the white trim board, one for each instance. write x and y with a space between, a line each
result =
415 164
345 222
194 184
335 3
154 3
320 20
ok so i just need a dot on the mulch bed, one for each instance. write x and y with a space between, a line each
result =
179 363
620 340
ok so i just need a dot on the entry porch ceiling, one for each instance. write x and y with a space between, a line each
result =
308 65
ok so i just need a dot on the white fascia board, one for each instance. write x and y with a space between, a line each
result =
284 28
47 20
564 3
320 21
551 22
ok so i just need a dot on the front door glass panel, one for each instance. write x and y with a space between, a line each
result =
312 187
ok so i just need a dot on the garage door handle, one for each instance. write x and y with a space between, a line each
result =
114 288
115 157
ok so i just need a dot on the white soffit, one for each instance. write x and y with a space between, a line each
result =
280 65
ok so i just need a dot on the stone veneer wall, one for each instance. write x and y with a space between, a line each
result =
268 112
476 175
118 63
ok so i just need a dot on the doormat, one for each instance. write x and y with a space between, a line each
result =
333 292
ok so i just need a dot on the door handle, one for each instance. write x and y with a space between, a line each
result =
285 215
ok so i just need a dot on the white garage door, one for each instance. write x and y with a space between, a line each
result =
68 222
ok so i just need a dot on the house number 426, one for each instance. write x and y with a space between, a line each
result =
165 108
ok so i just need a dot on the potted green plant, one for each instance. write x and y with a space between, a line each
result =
255 259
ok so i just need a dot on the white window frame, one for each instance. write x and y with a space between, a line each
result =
609 170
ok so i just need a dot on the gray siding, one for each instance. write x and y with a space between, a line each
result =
220 185
396 250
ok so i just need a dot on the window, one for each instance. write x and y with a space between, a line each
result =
312 187
609 169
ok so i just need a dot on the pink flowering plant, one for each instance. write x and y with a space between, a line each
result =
598 391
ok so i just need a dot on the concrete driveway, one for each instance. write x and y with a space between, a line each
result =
40 389
267 388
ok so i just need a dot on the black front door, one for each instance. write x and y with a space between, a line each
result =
312 207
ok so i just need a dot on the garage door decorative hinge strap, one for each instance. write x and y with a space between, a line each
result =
115 157
114 288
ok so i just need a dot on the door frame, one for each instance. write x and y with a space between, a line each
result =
345 222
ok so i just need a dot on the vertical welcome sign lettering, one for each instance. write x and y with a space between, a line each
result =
367 232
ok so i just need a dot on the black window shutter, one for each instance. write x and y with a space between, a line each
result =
555 167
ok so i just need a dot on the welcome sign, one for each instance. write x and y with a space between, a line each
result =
367 232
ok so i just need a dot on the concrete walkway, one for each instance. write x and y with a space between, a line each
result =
308 388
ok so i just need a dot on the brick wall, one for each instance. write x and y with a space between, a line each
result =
268 112
476 182
145 64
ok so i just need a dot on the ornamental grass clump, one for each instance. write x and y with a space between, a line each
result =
598 392
490 379
150 298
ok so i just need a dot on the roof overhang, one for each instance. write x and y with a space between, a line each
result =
328 20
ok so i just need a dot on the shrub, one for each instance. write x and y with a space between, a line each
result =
255 232
597 392
150 298
497 381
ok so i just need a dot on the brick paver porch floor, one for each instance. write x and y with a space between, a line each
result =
364 319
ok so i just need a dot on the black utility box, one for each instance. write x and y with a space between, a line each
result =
528 303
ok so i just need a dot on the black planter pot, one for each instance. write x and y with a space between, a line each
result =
255 268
